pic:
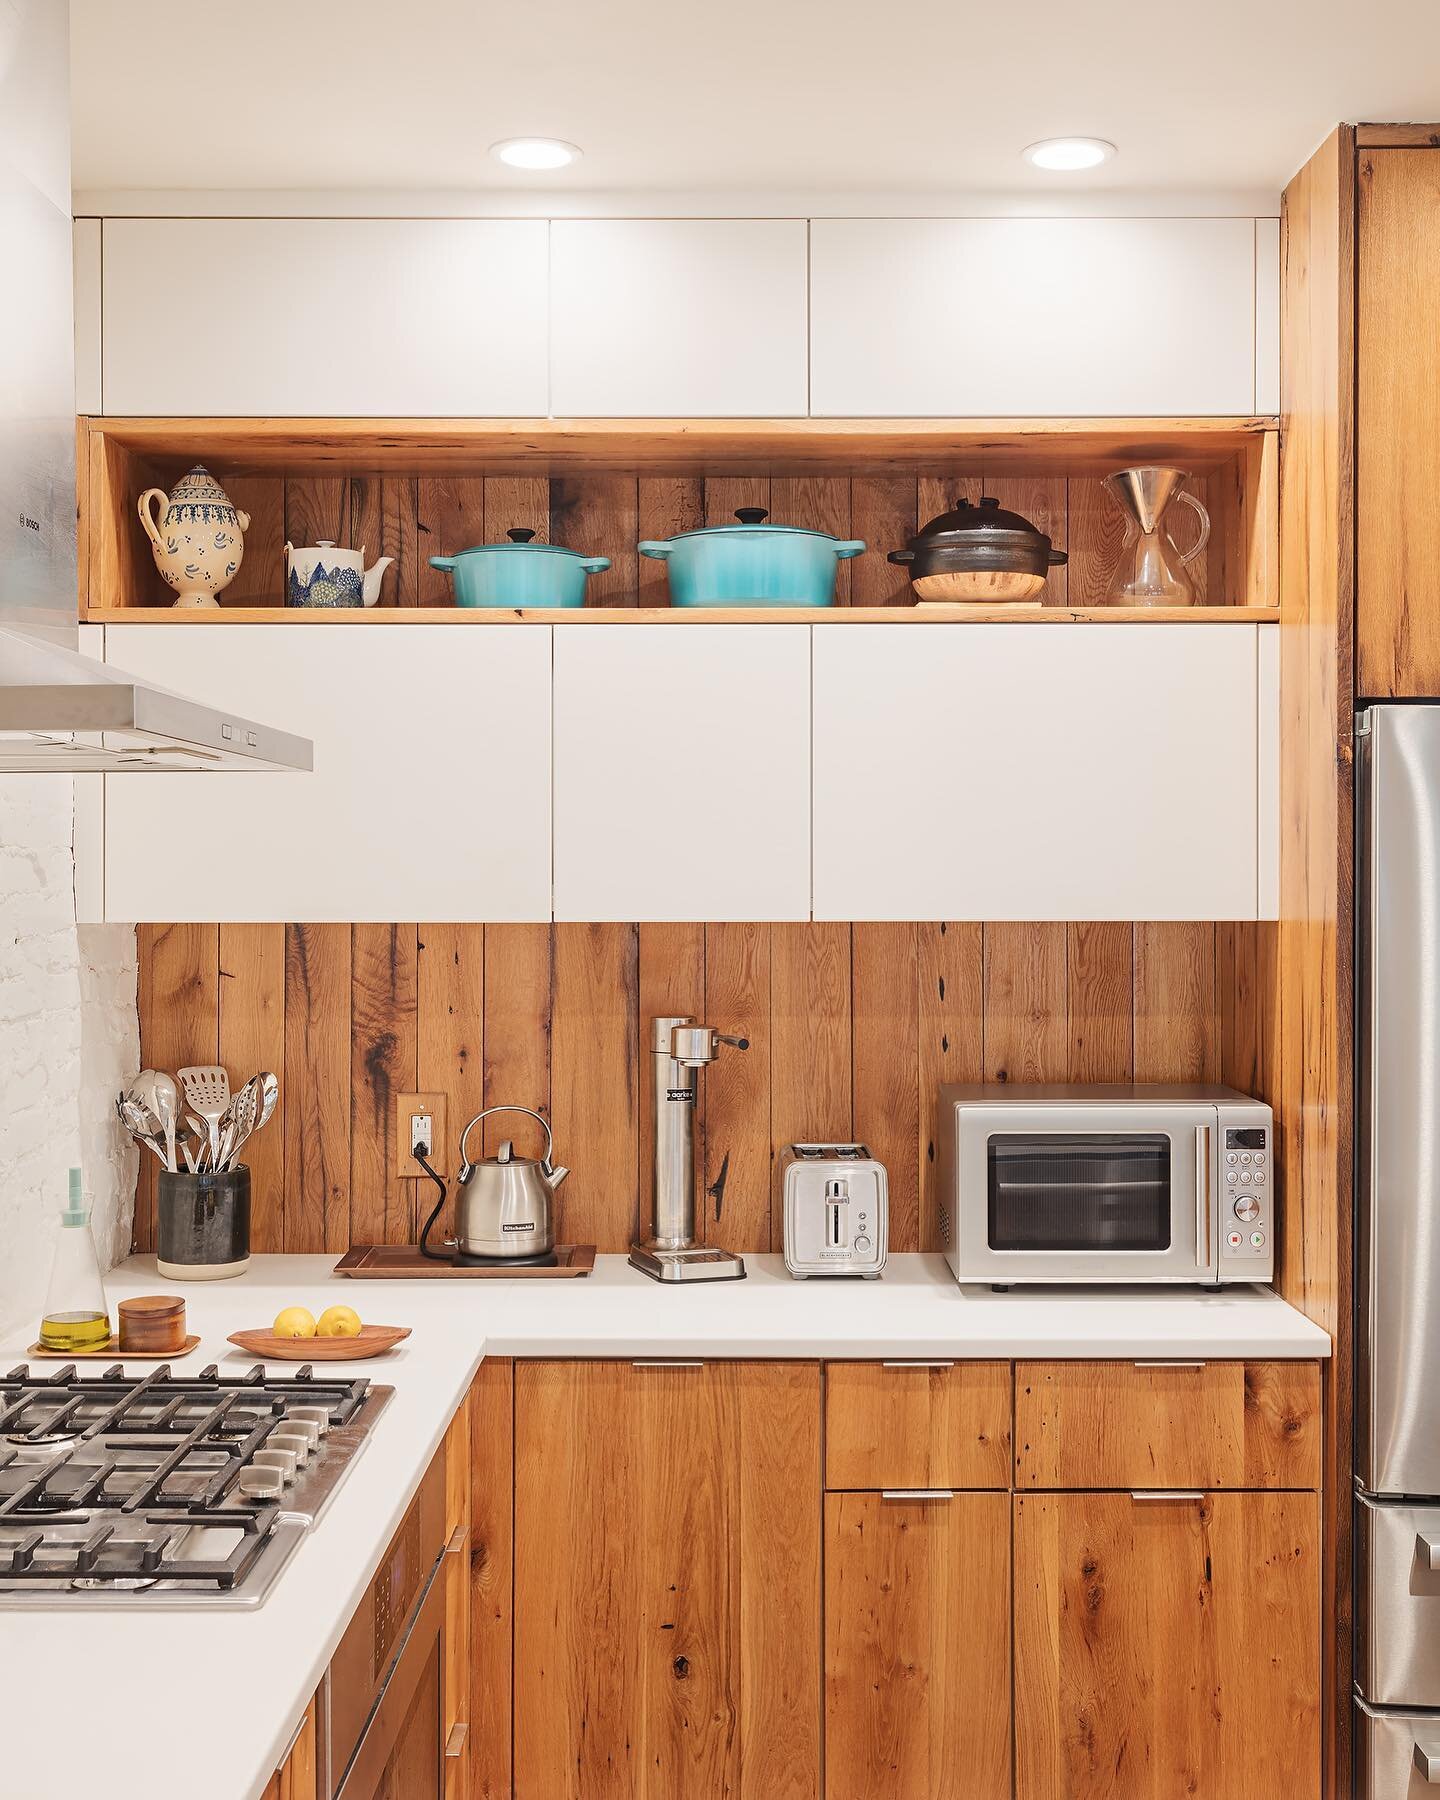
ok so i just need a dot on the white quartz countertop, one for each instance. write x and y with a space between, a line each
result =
137 1703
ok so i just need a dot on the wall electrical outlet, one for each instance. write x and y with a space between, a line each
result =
420 1119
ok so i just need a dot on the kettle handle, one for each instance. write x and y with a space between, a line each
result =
467 1168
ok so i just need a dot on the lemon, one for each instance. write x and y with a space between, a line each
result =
339 1321
294 1322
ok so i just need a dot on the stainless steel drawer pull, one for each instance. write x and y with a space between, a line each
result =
913 1363
1427 1764
917 1493
455 1743
1167 1363
1428 1551
1165 1494
660 1363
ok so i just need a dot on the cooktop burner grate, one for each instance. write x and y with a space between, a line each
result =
115 1486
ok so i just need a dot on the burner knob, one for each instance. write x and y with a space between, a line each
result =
297 1426
318 1416
294 1441
260 1483
285 1461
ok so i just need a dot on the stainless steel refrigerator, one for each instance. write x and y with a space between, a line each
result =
1397 1268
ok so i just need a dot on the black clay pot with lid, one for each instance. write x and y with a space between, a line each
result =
979 555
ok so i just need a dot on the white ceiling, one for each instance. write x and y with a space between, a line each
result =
795 95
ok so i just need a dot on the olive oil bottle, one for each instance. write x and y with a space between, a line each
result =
76 1315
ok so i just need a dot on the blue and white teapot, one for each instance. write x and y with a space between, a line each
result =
196 535
326 575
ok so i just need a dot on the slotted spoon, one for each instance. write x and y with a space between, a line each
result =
207 1090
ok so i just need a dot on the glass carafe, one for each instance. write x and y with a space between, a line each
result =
76 1314
1151 570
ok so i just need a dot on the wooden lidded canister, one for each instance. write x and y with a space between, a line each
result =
152 1322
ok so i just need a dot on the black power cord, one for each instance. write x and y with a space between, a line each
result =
420 1152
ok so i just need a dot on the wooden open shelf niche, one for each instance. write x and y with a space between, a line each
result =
412 489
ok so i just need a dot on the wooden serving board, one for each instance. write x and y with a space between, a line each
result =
113 1353
377 1262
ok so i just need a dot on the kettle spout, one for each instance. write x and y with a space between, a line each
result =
557 1175
371 590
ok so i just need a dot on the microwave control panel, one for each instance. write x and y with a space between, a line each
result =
1247 1205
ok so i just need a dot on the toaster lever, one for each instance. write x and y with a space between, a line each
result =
837 1194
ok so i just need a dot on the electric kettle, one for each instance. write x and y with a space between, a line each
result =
503 1210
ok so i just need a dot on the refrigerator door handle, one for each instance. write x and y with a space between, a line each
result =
1427 1764
1202 1196
1427 1549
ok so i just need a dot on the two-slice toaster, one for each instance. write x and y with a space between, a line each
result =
837 1204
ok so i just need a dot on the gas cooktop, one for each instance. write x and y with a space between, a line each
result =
167 1490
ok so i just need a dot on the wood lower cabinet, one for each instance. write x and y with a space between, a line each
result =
667 1581
917 1639
296 1778
1167 1645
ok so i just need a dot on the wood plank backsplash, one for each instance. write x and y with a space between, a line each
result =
851 1029
414 518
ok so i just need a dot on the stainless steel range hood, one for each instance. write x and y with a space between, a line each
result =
59 710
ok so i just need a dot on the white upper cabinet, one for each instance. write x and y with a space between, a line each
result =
430 796
682 772
1050 317
1038 772
328 317
678 318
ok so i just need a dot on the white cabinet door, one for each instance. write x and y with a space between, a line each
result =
430 796
682 772
1035 772
332 317
1002 317
678 318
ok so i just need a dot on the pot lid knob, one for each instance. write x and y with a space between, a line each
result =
752 515
989 500
520 534
507 1152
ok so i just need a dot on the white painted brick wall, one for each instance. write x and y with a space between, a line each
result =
68 1036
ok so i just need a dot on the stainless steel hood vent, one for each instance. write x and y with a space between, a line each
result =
59 710
66 713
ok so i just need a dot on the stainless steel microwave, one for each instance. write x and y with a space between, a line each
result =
1111 1184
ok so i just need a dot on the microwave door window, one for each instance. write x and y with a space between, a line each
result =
1079 1191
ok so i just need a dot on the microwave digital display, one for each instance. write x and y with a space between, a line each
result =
1248 1137
1073 1190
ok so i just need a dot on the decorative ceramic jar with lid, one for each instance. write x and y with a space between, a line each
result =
196 536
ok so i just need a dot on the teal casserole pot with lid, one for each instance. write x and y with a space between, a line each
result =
520 573
751 563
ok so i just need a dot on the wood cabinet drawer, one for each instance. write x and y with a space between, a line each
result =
917 1424
1167 1425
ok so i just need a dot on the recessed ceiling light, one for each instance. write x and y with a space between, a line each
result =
1069 153
534 152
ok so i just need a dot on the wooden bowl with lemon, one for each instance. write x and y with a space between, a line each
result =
336 1336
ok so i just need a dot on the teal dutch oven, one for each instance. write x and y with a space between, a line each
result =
520 573
752 563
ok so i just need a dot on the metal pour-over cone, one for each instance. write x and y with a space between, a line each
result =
1145 493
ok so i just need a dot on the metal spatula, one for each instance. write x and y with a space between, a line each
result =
207 1089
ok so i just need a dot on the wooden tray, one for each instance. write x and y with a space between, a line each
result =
113 1353
374 1340
376 1262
